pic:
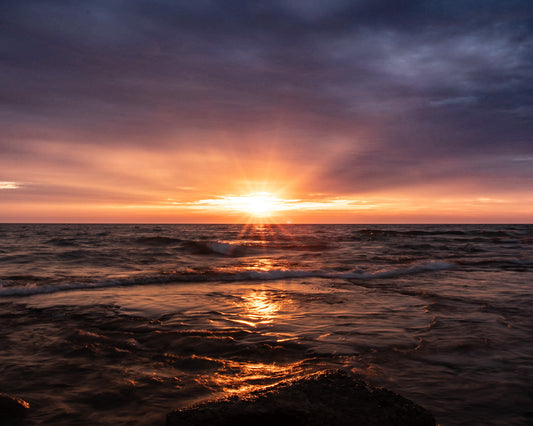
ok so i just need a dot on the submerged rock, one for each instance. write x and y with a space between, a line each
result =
12 409
325 398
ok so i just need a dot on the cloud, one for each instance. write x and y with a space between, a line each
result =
360 96
9 185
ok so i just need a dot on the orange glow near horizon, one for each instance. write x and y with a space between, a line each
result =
260 204
276 209
135 186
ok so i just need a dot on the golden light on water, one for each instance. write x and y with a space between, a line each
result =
252 376
263 265
260 307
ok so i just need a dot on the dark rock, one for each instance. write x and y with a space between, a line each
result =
12 409
325 398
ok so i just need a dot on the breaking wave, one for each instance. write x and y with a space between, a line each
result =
13 288
216 247
239 249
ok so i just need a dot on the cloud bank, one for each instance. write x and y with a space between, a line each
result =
348 98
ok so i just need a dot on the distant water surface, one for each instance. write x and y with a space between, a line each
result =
118 324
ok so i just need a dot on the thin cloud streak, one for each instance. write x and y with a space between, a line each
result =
9 185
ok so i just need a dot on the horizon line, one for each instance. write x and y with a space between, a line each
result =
272 223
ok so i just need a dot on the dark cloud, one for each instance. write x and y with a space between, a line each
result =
423 80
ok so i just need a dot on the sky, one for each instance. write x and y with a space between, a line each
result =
337 111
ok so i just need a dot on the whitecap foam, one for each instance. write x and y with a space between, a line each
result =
277 274
212 276
391 273
216 247
227 249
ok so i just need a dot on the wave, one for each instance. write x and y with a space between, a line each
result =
376 232
216 247
157 241
502 263
244 248
391 273
63 242
7 289
303 246
482 233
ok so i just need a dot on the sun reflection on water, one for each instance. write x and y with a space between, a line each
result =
244 377
262 265
260 307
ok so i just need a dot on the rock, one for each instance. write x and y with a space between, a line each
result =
325 398
12 409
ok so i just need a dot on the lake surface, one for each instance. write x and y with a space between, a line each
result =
118 324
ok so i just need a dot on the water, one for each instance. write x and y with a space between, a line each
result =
120 324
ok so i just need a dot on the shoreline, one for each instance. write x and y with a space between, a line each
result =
328 397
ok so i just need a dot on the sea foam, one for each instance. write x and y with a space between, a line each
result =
10 290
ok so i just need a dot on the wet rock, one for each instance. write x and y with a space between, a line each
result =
325 398
12 409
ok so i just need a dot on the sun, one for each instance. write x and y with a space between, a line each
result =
257 204
262 204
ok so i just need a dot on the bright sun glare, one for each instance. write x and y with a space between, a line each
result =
259 204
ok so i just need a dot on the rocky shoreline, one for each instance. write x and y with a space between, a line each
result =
324 398
330 397
13 410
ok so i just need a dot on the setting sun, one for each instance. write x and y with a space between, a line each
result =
260 204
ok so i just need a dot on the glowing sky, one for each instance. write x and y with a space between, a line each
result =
342 111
